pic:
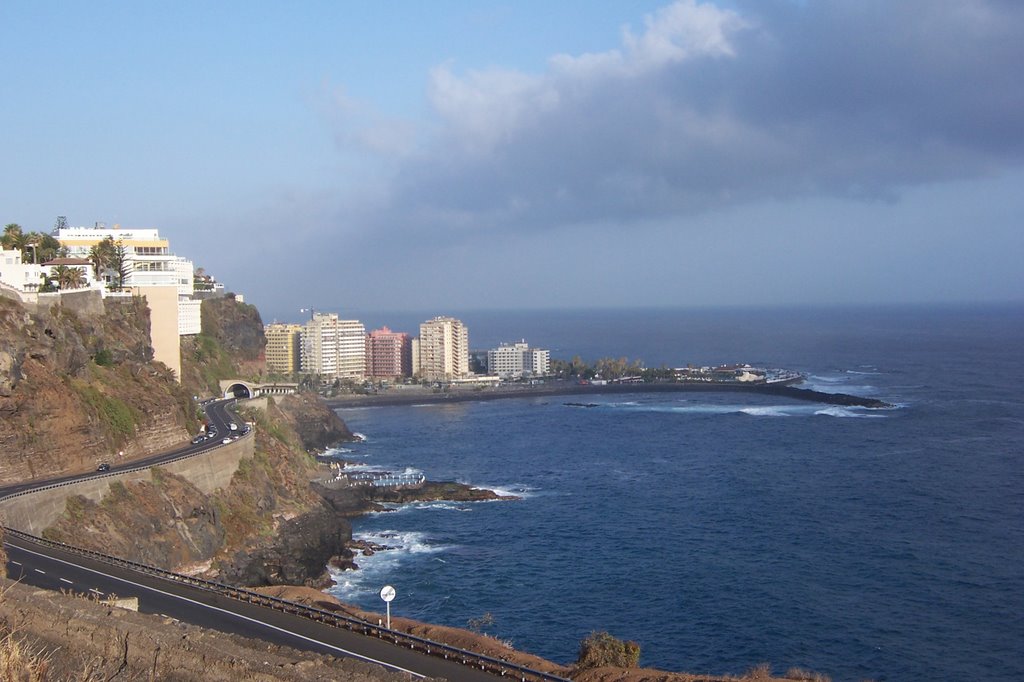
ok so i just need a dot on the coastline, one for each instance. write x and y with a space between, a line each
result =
395 397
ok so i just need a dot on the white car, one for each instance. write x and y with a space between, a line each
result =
225 441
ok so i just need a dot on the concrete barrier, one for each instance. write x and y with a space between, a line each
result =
37 510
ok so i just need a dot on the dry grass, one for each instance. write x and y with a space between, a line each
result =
21 663
761 671
806 675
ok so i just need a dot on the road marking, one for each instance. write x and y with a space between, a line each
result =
16 563
38 571
226 611
65 580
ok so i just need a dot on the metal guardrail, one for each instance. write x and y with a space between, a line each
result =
427 646
470 658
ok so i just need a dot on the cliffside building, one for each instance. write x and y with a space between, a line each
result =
443 349
388 354
153 271
284 347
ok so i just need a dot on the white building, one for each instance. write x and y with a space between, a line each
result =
516 360
443 349
334 348
24 277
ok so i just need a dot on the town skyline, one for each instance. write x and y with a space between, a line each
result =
449 158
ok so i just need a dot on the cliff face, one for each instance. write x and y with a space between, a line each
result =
77 390
267 527
230 346
316 424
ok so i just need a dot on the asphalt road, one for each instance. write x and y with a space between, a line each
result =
57 569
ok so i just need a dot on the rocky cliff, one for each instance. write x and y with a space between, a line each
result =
267 527
230 346
79 389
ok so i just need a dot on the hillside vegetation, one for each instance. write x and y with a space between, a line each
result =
78 389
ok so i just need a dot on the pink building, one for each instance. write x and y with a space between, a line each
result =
388 354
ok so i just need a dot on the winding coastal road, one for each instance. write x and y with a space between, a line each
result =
52 566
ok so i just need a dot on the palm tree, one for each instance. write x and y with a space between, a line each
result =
68 278
13 237
100 256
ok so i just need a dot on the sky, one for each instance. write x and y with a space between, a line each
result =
451 156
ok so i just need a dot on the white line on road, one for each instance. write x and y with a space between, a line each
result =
65 580
16 563
226 611
38 571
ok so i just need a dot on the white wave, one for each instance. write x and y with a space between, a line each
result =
513 490
837 411
361 437
766 412
828 379
374 571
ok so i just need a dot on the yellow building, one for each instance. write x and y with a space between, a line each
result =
284 347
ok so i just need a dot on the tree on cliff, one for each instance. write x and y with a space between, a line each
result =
68 278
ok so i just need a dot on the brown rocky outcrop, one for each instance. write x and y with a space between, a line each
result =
76 390
317 425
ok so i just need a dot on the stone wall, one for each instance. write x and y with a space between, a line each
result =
35 511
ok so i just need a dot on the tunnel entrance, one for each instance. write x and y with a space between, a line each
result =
239 391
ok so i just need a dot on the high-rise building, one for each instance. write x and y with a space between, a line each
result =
515 360
388 354
284 347
334 348
443 349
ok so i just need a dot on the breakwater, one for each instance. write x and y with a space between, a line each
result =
565 388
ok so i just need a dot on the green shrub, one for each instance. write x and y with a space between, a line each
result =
104 358
601 650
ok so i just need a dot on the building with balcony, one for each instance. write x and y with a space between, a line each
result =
516 360
334 348
388 354
150 270
284 347
443 349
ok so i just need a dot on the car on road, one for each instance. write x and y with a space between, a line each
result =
233 426
198 439
103 467
225 441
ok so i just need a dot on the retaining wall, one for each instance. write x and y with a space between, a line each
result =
32 512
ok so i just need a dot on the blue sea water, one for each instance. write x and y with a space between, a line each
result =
720 531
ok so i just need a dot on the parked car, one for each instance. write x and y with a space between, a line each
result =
198 439
225 441
103 467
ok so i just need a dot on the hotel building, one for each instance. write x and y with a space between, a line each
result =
284 347
443 349
334 348
516 360
388 354
153 271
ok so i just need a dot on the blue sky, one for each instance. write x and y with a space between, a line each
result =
453 155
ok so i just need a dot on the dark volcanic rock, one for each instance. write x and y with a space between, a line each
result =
298 555
319 427
433 491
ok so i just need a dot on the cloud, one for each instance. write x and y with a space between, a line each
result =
706 108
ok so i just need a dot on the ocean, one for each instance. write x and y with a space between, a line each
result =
720 531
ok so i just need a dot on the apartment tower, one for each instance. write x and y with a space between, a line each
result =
443 349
